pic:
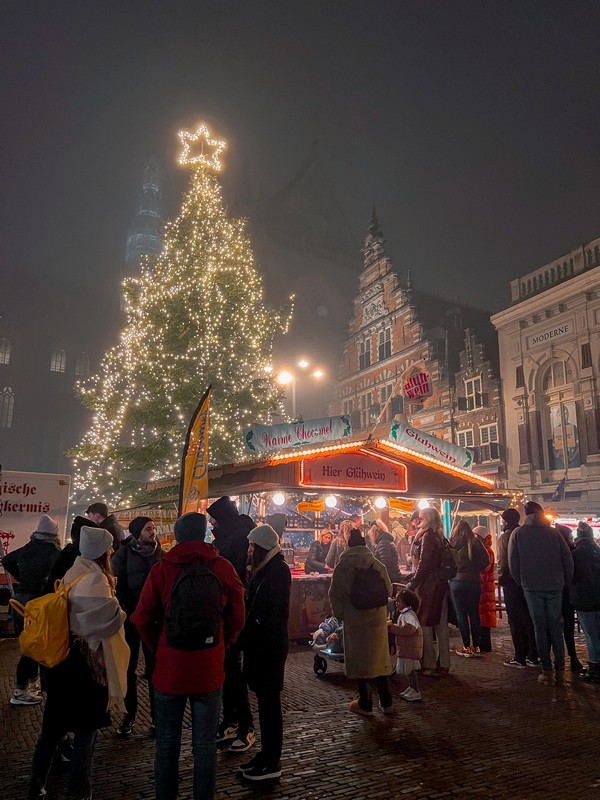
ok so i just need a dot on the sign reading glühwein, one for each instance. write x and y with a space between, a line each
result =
353 471
422 442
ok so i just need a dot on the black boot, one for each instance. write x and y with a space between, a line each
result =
593 673
576 664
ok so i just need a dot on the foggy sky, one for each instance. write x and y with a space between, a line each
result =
473 126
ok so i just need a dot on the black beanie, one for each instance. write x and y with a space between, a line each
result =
532 508
77 525
223 510
136 525
512 517
190 528
356 538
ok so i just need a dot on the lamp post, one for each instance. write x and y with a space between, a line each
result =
288 377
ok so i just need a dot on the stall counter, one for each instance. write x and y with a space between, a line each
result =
309 604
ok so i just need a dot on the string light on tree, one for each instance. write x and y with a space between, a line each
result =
195 316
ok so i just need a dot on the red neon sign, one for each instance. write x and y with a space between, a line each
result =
354 471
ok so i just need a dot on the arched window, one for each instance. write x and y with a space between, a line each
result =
558 374
4 351
58 362
7 403
82 366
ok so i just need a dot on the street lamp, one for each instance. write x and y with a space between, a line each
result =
288 378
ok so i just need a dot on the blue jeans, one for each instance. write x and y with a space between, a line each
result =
168 718
466 596
590 622
545 608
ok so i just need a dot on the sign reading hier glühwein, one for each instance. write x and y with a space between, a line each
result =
431 445
266 438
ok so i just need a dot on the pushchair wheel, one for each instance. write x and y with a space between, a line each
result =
320 665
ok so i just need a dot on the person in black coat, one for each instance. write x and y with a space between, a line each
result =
31 566
98 513
385 549
131 565
585 595
264 642
231 529
315 560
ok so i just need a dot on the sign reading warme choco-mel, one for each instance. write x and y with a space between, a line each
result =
353 471
266 438
24 498
431 445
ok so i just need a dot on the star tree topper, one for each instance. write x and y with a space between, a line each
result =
210 149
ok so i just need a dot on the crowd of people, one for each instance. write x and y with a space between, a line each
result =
211 621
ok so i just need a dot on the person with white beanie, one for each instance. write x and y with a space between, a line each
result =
264 641
94 673
31 566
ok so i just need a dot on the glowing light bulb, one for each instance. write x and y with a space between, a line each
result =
278 498
303 363
318 373
380 502
423 504
285 378
331 501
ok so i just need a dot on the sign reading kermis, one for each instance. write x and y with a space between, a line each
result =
24 497
431 445
267 438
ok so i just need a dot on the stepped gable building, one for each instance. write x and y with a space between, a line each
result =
398 332
549 341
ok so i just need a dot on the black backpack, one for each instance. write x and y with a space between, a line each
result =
448 567
193 621
368 589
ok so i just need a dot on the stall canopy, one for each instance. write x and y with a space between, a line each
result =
366 465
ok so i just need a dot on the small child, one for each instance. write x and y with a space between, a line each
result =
409 642
330 632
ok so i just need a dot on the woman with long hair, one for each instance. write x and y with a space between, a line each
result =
79 689
339 545
471 559
432 591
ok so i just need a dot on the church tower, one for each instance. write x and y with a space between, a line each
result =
145 237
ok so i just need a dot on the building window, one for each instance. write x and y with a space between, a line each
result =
519 377
465 438
385 343
4 351
473 393
58 362
558 374
597 316
364 354
586 355
488 433
7 403
82 366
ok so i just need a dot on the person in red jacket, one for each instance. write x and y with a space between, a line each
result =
487 600
180 674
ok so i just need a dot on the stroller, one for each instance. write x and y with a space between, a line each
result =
328 644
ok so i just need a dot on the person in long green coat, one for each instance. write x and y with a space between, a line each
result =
366 650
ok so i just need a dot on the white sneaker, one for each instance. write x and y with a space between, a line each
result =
23 697
411 696
408 689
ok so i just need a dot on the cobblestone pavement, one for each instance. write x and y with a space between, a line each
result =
485 731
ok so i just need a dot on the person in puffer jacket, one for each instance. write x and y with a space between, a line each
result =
385 549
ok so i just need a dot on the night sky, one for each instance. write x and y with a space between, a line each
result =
473 126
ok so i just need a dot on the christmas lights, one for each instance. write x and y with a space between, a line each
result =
195 316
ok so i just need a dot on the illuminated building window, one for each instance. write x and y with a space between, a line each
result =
7 403
385 344
558 374
465 438
488 433
4 351
58 362
364 354
473 393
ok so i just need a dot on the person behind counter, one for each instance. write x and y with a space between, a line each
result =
339 544
315 560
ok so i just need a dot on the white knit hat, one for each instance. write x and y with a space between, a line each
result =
47 525
94 542
264 536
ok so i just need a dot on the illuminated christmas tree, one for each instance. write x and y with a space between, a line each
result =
195 316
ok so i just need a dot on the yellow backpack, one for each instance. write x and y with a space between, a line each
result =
45 636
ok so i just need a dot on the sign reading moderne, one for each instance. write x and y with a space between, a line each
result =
538 339
266 438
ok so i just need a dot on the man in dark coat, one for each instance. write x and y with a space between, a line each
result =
385 549
585 595
519 620
98 513
131 565
264 642
540 561
230 530
31 566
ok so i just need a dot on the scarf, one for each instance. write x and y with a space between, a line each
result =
50 538
145 549
272 552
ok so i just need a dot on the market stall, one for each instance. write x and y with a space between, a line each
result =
369 478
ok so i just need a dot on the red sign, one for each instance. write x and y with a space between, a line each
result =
353 471
417 386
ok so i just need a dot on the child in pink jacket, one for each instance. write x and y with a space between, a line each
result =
409 642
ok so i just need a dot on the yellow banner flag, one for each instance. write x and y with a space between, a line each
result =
312 505
193 486
401 505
